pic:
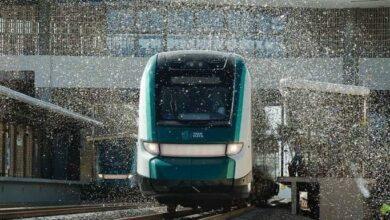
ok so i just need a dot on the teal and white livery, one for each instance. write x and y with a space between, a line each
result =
194 138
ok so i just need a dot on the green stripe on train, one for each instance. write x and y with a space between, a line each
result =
150 98
167 168
241 69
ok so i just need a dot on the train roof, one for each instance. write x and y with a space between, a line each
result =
323 87
194 59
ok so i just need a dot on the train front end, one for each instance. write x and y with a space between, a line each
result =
194 137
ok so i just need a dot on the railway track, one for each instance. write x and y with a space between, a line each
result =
29 212
194 214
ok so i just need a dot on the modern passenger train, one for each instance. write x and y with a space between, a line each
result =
194 137
114 167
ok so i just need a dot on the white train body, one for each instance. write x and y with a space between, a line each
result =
194 137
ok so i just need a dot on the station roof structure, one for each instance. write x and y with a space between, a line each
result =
9 93
124 135
323 87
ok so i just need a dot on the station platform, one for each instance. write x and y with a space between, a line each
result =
339 198
42 153
15 191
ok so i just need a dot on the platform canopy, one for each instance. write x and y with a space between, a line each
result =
322 87
9 93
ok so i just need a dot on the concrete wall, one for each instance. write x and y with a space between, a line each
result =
77 71
375 73
27 190
266 73
125 72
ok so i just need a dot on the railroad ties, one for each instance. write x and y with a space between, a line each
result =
30 212
195 214
41 211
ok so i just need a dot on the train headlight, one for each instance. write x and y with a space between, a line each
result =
151 147
234 148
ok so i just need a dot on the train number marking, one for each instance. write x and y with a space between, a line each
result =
197 135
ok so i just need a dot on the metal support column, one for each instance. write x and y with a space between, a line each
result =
2 149
44 15
44 7
350 55
282 144
12 144
36 161
19 151
294 197
28 152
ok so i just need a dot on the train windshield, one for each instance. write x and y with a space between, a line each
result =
195 98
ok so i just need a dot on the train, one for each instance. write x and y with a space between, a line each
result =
194 137
114 167
114 162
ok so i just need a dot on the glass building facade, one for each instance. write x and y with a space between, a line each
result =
142 31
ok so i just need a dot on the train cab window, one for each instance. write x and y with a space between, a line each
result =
193 97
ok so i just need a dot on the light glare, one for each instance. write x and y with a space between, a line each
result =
151 148
233 148
193 150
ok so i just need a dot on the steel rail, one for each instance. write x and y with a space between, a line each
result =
12 213
193 214
159 216
231 214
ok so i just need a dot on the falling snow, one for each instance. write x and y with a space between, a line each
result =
88 56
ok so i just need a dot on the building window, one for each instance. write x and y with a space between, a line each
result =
278 23
207 20
149 45
78 29
270 47
11 26
2 25
150 21
271 24
120 44
19 26
120 20
264 24
210 43
180 43
240 22
242 46
180 21
27 27
120 23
